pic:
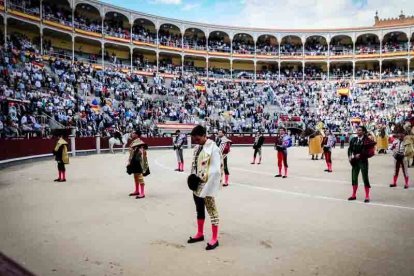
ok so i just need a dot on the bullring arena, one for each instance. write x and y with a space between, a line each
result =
95 74
302 225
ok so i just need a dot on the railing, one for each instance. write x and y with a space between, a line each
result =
145 39
368 51
194 46
291 53
94 29
170 43
117 35
316 53
58 54
402 74
53 18
275 52
219 49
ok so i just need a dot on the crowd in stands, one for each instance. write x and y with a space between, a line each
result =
88 24
115 28
291 50
59 15
389 47
169 39
218 45
195 43
27 6
240 47
316 49
364 49
36 94
139 33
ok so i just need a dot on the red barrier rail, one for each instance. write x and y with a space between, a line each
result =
10 149
17 148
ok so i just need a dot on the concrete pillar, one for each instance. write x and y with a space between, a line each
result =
131 52
189 141
73 48
182 65
73 144
98 143
353 70
5 28
103 55
380 67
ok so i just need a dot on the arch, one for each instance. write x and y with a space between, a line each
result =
341 45
395 42
170 63
118 56
267 45
267 70
57 43
341 70
219 41
22 31
219 68
291 70
367 70
88 18
394 68
243 69
58 11
291 45
316 45
88 50
170 35
195 65
367 44
117 25
144 60
144 30
194 39
316 71
243 43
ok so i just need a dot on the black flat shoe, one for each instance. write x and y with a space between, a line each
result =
139 197
326 170
225 185
278 175
192 240
134 194
57 180
366 200
405 187
62 180
393 185
211 247
285 176
352 198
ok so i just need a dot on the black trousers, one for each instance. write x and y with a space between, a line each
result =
226 168
200 207
61 166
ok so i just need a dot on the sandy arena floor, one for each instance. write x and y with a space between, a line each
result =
302 225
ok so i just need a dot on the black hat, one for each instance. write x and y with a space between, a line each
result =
193 182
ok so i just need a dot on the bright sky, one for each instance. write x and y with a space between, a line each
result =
274 13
